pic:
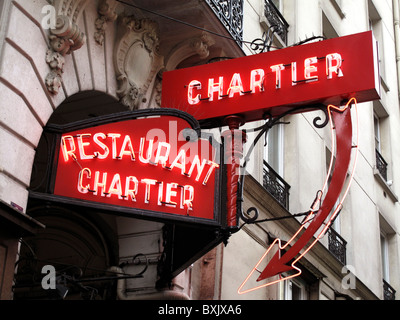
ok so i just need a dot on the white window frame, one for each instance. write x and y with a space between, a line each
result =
385 256
278 5
377 132
275 144
288 289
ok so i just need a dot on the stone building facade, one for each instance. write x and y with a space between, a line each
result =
63 61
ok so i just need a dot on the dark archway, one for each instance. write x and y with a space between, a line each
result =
80 247
80 244
85 105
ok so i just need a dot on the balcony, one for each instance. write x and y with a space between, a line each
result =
275 21
275 185
381 165
337 245
388 292
230 13
381 176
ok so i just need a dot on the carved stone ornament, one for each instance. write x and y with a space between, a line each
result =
56 62
106 14
66 37
63 39
198 45
201 45
136 59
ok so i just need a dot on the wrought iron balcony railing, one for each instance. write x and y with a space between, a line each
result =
381 165
230 13
277 22
337 245
275 185
388 292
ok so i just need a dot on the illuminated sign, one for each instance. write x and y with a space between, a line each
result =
324 72
324 209
155 166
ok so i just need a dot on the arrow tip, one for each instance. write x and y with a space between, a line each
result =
274 267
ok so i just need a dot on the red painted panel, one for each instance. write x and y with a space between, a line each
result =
326 72
145 164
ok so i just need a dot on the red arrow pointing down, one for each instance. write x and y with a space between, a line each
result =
279 264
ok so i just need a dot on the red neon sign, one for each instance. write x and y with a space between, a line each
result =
144 164
326 72
341 126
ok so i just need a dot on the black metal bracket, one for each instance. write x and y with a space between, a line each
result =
251 215
260 45
265 42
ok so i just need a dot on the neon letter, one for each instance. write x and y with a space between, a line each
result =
81 188
128 190
127 141
294 73
212 166
101 145
236 85
115 187
170 193
277 69
199 167
215 87
162 158
148 183
81 146
98 184
196 99
187 199
309 69
149 151
160 193
254 82
114 143
332 67
180 164
71 150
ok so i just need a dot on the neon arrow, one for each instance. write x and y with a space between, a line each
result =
286 262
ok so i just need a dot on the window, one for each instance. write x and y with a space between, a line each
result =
381 163
328 30
376 25
273 166
387 238
381 138
277 4
295 289
273 152
338 5
273 20
377 132
385 257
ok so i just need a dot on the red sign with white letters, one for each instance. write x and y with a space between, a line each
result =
147 164
324 72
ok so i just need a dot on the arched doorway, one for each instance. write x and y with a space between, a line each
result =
79 247
79 243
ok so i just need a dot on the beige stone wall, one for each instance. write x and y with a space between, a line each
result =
26 103
371 205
